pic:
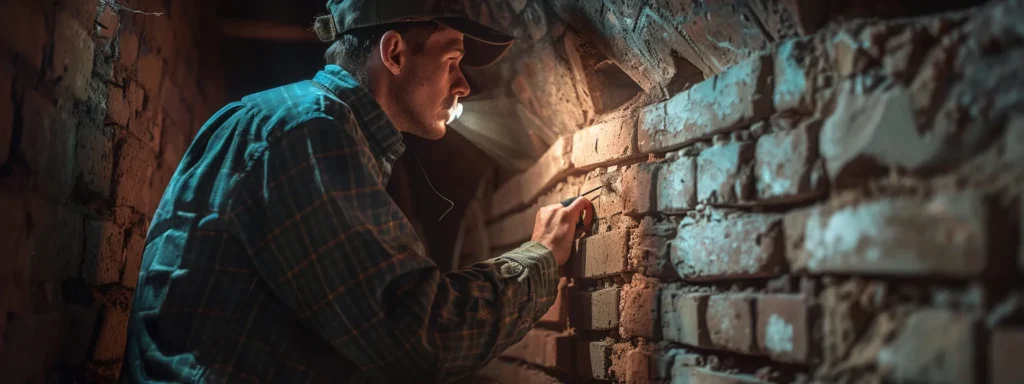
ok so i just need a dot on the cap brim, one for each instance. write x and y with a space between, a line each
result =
484 45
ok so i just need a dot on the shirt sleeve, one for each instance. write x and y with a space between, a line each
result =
343 256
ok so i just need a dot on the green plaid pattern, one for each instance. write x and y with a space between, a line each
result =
276 255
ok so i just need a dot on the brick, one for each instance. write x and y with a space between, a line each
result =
104 258
1005 350
872 133
639 312
638 189
112 335
514 229
677 186
135 164
23 28
128 45
559 311
682 317
107 23
94 162
56 238
605 143
715 24
602 255
544 348
727 101
787 167
594 359
119 109
725 174
6 116
508 197
674 61
944 235
784 328
151 69
553 166
80 323
595 311
638 367
30 346
133 250
649 249
72 55
732 247
915 354
730 320
793 76
48 142
707 376
609 200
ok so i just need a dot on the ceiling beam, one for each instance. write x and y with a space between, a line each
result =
266 30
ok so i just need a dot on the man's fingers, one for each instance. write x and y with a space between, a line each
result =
578 207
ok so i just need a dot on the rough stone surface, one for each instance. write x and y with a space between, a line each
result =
543 348
649 249
730 320
682 317
1005 348
784 328
725 174
704 375
677 186
787 167
605 143
553 166
56 239
943 235
740 246
639 311
793 77
597 310
725 102
918 355
602 255
594 359
639 184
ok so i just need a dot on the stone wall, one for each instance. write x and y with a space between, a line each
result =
97 106
790 194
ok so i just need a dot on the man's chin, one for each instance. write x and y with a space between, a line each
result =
434 132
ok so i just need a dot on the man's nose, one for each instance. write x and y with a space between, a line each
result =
461 86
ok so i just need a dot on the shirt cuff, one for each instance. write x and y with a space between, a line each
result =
540 274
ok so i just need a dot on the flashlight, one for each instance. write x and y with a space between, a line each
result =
455 113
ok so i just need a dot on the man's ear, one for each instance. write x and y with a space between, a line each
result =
392 51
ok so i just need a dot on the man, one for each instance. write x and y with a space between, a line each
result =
277 256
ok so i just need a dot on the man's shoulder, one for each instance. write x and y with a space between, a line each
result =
291 105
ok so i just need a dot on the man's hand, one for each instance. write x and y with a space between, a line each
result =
555 227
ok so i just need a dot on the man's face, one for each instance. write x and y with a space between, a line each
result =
430 85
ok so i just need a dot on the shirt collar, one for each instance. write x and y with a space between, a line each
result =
385 140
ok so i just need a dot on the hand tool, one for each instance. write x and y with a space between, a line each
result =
566 202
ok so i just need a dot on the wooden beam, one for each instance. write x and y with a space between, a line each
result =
266 30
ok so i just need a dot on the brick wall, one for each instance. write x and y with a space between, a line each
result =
828 199
97 106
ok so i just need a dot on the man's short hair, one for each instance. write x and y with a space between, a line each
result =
352 50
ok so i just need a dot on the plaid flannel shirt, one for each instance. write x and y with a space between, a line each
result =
276 255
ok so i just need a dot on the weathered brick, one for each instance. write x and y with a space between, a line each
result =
730 320
151 69
56 238
609 200
944 235
80 323
134 247
787 166
725 174
7 113
507 197
593 359
639 311
128 45
135 164
112 335
682 317
48 144
784 327
649 249
94 162
595 311
23 28
559 311
793 77
729 247
541 347
919 354
726 21
727 101
605 143
553 166
1005 350
514 229
677 186
104 259
639 184
707 376
107 23
72 55
602 254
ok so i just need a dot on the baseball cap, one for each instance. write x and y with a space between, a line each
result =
484 45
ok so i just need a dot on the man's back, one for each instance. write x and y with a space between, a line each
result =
276 255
